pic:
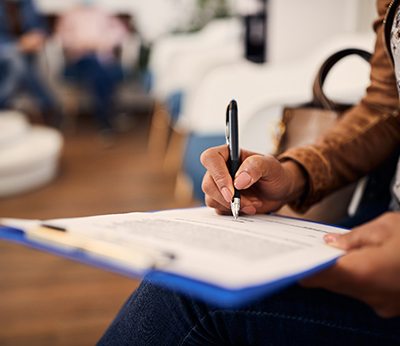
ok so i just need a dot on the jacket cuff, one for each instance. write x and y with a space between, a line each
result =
317 171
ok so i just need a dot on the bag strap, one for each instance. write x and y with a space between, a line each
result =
319 97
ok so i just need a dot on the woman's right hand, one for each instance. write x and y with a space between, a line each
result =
265 183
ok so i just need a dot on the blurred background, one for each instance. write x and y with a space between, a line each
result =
105 107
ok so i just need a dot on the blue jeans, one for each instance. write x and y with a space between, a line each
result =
295 316
100 79
19 72
11 71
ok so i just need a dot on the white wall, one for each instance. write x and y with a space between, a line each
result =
366 14
295 27
153 17
61 5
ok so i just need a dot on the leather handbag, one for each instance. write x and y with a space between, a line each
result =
304 124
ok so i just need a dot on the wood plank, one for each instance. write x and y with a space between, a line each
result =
46 300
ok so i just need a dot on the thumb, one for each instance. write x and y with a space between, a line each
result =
358 238
257 167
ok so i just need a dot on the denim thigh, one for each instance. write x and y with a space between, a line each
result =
296 316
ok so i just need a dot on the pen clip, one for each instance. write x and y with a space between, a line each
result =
227 127
231 130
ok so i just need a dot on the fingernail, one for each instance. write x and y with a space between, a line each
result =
227 194
331 238
242 180
249 210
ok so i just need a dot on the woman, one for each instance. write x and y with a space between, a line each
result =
357 301
22 37
90 37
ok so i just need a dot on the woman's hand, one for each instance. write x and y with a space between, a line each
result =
265 183
370 271
32 42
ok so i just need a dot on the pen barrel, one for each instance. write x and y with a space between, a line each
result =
233 166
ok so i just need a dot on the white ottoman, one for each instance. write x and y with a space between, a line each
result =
13 127
28 154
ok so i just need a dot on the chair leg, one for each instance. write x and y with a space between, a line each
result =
174 153
70 109
159 132
183 189
173 163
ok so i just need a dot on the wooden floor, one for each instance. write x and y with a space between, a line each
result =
46 300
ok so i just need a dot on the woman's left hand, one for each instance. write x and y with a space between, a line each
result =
370 271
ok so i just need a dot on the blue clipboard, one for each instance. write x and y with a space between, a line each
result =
209 293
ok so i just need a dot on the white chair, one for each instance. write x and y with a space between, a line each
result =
261 91
178 59
260 86
28 155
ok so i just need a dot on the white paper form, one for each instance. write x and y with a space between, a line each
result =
216 249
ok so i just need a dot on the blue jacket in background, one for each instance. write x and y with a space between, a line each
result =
30 20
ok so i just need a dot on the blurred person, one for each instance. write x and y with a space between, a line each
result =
22 37
354 302
90 37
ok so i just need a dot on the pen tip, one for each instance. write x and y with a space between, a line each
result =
235 208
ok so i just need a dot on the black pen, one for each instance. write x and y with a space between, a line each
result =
232 140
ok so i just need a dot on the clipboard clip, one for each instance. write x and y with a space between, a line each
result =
134 256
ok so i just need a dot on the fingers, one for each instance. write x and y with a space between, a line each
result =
365 275
368 272
223 210
220 208
255 168
263 197
214 160
350 276
366 235
213 192
361 275
214 199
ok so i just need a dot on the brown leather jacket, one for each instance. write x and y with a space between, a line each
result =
364 137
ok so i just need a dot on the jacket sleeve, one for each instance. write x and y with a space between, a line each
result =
362 139
32 20
5 38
